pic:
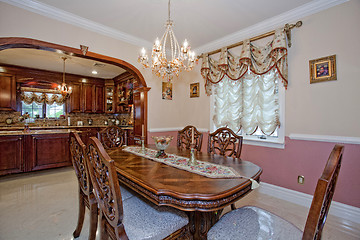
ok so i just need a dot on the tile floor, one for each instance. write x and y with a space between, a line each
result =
43 205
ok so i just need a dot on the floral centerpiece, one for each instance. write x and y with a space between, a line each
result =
161 143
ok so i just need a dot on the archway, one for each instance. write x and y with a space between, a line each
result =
140 115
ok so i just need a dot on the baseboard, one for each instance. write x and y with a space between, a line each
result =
337 209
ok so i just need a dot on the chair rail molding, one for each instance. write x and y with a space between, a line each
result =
325 138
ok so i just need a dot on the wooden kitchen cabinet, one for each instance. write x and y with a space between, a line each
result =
11 154
7 92
99 103
75 104
87 132
47 151
86 98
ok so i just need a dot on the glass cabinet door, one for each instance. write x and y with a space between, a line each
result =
109 95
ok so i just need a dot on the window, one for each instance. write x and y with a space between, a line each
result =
252 107
42 109
41 105
32 109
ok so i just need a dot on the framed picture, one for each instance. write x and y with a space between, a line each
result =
167 90
194 90
323 69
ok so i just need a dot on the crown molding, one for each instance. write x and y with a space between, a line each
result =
63 16
259 28
270 24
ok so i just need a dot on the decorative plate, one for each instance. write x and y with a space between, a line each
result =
9 121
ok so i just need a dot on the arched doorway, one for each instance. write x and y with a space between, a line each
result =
140 94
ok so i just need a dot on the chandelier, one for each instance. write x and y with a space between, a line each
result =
168 59
63 88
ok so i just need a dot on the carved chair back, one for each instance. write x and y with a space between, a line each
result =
78 155
106 186
184 138
112 136
225 142
323 195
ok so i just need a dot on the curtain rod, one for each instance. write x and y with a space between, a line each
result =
287 29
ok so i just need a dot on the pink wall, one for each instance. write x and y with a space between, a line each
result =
308 158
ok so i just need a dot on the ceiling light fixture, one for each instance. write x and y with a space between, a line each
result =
63 88
168 59
94 72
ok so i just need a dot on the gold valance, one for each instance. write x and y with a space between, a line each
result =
258 59
48 96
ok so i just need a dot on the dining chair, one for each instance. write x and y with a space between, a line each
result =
225 142
255 223
132 218
184 138
112 136
86 196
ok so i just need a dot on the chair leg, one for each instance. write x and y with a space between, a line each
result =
233 206
81 215
103 233
93 219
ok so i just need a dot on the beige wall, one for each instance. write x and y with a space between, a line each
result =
329 108
16 22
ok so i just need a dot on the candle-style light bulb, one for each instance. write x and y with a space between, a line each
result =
143 52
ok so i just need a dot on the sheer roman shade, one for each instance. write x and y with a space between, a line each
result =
246 86
248 104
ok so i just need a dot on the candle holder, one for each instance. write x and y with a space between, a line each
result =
143 150
192 160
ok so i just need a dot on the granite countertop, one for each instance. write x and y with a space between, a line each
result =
14 128
36 132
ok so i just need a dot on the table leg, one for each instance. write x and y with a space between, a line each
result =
201 222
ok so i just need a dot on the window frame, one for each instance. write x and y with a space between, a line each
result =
272 142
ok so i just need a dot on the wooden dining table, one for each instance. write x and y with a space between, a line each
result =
202 198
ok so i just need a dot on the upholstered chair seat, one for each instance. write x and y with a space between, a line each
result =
253 223
145 221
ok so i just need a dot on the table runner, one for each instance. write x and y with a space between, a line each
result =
206 169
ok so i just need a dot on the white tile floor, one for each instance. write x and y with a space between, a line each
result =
43 205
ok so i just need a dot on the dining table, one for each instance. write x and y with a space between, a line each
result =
201 197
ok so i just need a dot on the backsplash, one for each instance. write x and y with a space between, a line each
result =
75 118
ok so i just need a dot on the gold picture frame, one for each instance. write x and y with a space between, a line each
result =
167 90
194 90
323 69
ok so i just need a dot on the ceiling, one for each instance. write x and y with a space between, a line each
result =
52 61
206 24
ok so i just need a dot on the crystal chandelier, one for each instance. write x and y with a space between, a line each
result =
168 59
63 88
